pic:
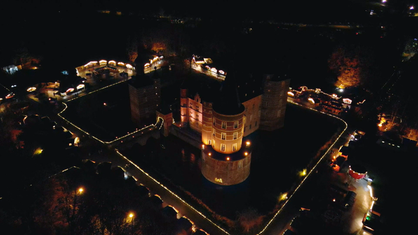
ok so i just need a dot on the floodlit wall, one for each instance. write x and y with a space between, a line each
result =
225 172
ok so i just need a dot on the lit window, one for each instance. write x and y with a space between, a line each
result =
234 147
223 135
236 125
213 133
223 126
223 147
210 142
235 135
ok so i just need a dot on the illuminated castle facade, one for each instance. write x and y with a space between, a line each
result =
265 105
224 122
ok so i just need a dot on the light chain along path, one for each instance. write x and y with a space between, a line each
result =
276 225
168 196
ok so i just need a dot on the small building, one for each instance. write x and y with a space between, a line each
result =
357 171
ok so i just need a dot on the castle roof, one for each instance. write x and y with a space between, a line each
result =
143 80
207 88
228 101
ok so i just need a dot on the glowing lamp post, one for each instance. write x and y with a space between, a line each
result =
130 219
303 173
79 191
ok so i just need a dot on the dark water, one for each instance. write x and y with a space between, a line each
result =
103 121
277 158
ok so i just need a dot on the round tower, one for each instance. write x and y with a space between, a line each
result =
207 123
225 159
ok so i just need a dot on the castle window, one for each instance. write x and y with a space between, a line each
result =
255 124
213 133
234 147
235 124
223 126
223 147
235 135
250 126
223 136
210 142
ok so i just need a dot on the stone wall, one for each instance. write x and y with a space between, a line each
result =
225 172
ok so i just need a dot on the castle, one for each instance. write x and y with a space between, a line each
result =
214 111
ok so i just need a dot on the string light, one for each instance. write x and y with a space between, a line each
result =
171 192
314 167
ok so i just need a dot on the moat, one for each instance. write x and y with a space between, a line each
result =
277 159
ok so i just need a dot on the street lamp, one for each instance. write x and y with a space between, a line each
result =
131 216
80 190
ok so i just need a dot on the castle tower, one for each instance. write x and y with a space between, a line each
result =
274 100
225 160
207 132
184 104
144 95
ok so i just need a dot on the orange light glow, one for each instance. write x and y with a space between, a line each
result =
80 190
210 154
248 143
246 153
